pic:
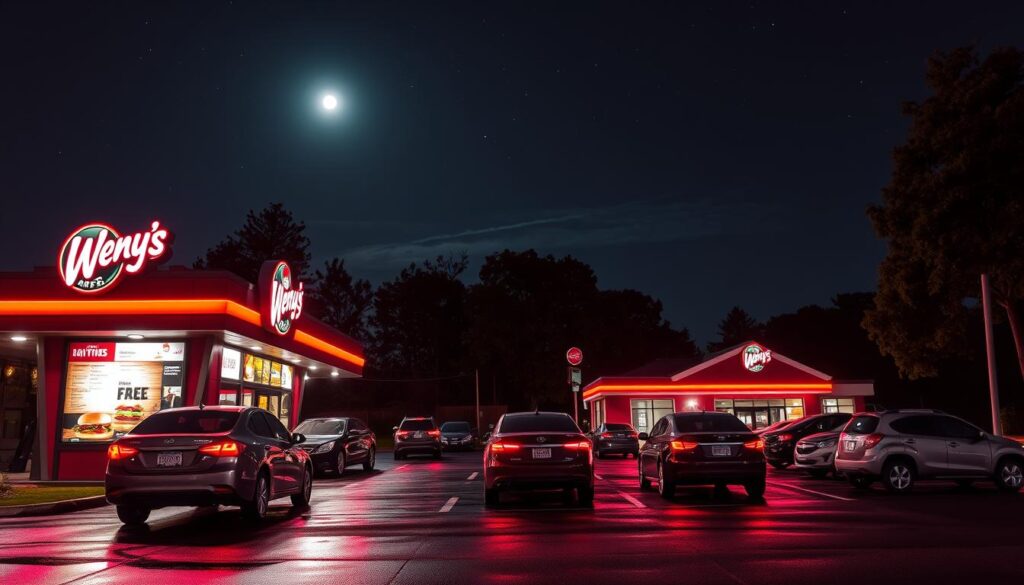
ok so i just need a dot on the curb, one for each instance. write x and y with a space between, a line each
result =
59 507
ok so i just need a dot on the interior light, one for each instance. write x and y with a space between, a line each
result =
335 373
19 338
255 347
136 336
312 367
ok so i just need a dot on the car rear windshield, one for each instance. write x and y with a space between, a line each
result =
861 425
418 424
455 427
709 423
618 427
538 423
321 427
190 422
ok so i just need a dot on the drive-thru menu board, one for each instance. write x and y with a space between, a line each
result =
112 386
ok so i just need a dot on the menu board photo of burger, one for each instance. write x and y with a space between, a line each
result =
112 386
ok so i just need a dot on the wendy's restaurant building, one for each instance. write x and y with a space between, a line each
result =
759 386
104 340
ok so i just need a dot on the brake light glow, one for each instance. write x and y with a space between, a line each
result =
222 449
403 434
683 445
117 452
504 447
872 440
756 444
579 445
434 433
606 435
785 437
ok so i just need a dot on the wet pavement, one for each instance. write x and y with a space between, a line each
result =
421 522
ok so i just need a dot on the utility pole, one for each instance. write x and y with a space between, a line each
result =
990 350
477 377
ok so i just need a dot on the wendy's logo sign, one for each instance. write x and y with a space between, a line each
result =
95 256
755 357
282 297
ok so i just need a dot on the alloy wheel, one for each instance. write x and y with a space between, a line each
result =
899 477
661 478
307 485
1012 475
340 465
262 496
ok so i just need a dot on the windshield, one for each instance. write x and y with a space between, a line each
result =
455 427
321 426
538 423
417 424
189 422
709 423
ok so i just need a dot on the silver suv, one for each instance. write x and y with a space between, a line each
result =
898 447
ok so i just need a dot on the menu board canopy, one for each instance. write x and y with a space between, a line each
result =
231 364
280 297
267 372
112 386
95 256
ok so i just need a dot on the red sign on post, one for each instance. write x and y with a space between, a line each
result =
574 356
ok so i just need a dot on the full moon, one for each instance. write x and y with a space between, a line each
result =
329 102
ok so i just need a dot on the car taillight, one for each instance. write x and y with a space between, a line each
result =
683 445
434 433
784 437
403 434
872 440
501 447
632 434
577 446
606 435
756 444
116 452
222 449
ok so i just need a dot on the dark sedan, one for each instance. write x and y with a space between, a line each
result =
702 448
779 445
538 450
457 436
200 456
615 438
337 442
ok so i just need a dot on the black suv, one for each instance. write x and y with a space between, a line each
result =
778 445
417 435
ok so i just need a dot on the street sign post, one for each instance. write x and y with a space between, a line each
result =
575 357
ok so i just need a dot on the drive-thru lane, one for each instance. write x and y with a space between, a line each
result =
422 521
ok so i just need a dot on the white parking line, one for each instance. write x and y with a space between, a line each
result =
472 476
447 507
632 500
817 493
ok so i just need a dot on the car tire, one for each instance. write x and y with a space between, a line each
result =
1009 475
341 463
755 489
860 482
301 499
257 508
585 495
645 484
132 515
371 460
898 476
666 488
491 496
818 473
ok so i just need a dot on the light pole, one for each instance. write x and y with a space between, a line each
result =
990 350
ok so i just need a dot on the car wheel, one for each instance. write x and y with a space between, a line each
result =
818 473
898 476
132 515
257 508
645 484
301 499
860 482
491 496
340 464
371 460
666 488
755 489
585 496
1009 475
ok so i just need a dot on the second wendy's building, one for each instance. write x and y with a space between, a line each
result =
759 386
104 339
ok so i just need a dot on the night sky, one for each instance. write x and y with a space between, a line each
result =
711 154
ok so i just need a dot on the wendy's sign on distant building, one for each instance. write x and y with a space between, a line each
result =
281 297
755 357
95 256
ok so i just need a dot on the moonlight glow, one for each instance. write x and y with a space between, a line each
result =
329 102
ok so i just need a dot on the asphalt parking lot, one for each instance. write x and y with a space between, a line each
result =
421 522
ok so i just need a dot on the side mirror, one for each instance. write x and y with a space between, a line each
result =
395 429
298 438
643 436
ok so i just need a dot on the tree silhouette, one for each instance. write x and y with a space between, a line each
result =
737 326
953 210
340 300
270 234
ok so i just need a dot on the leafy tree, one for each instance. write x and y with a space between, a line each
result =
272 233
418 320
737 326
340 300
953 210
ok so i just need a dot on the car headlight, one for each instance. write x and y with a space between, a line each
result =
325 448
829 443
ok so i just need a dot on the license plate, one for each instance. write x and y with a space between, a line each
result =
542 453
619 435
720 451
851 445
418 435
169 459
